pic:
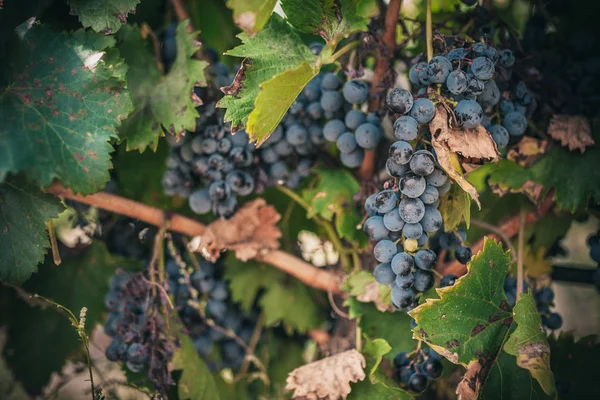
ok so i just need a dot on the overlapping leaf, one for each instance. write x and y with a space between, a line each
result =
275 50
23 238
160 101
106 16
330 19
455 207
251 15
59 112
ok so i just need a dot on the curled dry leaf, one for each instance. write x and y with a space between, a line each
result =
250 231
449 142
469 387
328 378
528 151
372 294
573 131
532 190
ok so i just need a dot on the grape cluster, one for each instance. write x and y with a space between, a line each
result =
416 370
137 328
202 296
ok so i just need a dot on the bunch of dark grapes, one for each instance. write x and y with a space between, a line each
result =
137 328
416 370
203 301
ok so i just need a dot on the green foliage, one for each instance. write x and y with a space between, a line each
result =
330 19
528 343
106 16
160 101
283 299
569 173
195 380
81 280
213 18
455 206
548 230
251 15
59 112
333 195
376 385
263 63
472 317
24 209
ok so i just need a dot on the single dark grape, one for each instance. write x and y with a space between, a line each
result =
432 368
463 254
401 359
385 250
412 185
415 70
422 110
437 178
500 135
418 382
483 68
457 82
331 101
552 321
402 298
468 113
425 259
515 123
355 91
396 170
438 69
432 219
353 159
346 142
422 162
354 118
375 229
406 128
411 210
330 81
399 100
383 274
430 196
367 136
392 221
412 231
424 280
400 152
405 281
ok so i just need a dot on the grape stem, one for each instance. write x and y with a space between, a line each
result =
520 273
510 228
53 243
292 265
383 67
429 31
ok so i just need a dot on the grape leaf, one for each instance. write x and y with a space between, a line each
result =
251 15
546 231
573 176
275 98
214 17
279 367
377 385
330 19
535 262
195 381
283 300
23 238
81 280
160 101
472 317
528 343
394 328
60 111
575 365
455 206
333 195
106 16
363 286
263 62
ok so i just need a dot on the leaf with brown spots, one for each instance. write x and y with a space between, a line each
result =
470 318
252 230
251 15
329 377
528 151
107 17
528 343
573 131
61 109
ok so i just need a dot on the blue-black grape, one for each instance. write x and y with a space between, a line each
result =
406 128
425 259
437 178
463 254
430 196
457 82
405 281
333 129
383 274
490 95
355 91
367 136
483 68
385 250
468 113
375 228
448 280
432 368
415 70
395 170
500 135
438 69
296 135
411 210
422 162
392 221
515 123
412 185
200 201
330 81
331 101
402 298
354 118
402 263
422 110
385 201
399 100
424 280
432 219
346 142
412 231
400 152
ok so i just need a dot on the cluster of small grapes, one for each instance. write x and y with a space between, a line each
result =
347 126
594 245
202 296
137 328
416 370
469 77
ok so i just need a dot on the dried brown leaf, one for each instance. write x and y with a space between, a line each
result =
250 231
532 190
372 294
573 131
528 151
238 82
468 388
328 378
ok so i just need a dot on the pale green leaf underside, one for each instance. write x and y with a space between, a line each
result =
455 207
60 111
160 101
251 15
106 16
23 238
528 343
471 318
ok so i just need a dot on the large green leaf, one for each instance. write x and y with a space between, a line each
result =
575 365
106 16
251 15
330 19
81 280
23 238
282 299
263 63
573 175
528 343
160 101
471 318
333 195
59 112
377 385
195 380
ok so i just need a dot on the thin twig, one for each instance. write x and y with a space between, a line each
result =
497 231
53 243
300 269
335 308
429 31
251 348
521 244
